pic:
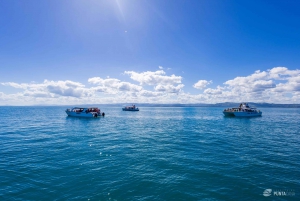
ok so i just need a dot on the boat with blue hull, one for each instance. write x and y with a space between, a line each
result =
244 110
130 108
93 112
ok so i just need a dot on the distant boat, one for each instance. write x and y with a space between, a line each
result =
85 112
242 111
130 108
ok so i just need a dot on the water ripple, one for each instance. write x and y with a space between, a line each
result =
153 154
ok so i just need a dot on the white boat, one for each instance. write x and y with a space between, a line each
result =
244 110
130 108
85 112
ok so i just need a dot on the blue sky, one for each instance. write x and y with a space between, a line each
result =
167 51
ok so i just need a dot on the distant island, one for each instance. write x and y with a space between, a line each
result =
224 105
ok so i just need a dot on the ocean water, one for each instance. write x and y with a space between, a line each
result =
154 154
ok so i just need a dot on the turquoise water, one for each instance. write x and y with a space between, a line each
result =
153 154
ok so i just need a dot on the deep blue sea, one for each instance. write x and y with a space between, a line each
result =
158 153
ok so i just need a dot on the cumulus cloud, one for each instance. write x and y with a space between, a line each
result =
48 88
277 85
218 90
169 88
112 89
266 81
273 85
282 73
37 94
147 93
158 79
112 85
154 78
66 88
201 84
248 80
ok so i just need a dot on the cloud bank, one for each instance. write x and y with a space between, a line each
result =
276 85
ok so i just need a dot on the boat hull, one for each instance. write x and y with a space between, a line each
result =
243 114
133 110
83 114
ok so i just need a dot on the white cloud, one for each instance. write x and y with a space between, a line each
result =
147 93
261 85
113 86
266 81
281 73
246 81
48 88
112 89
3 96
15 85
161 81
37 94
66 88
201 84
218 90
154 78
277 85
169 88
271 85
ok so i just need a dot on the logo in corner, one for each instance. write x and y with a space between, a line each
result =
267 192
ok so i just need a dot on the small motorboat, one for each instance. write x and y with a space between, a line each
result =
244 110
130 108
85 112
